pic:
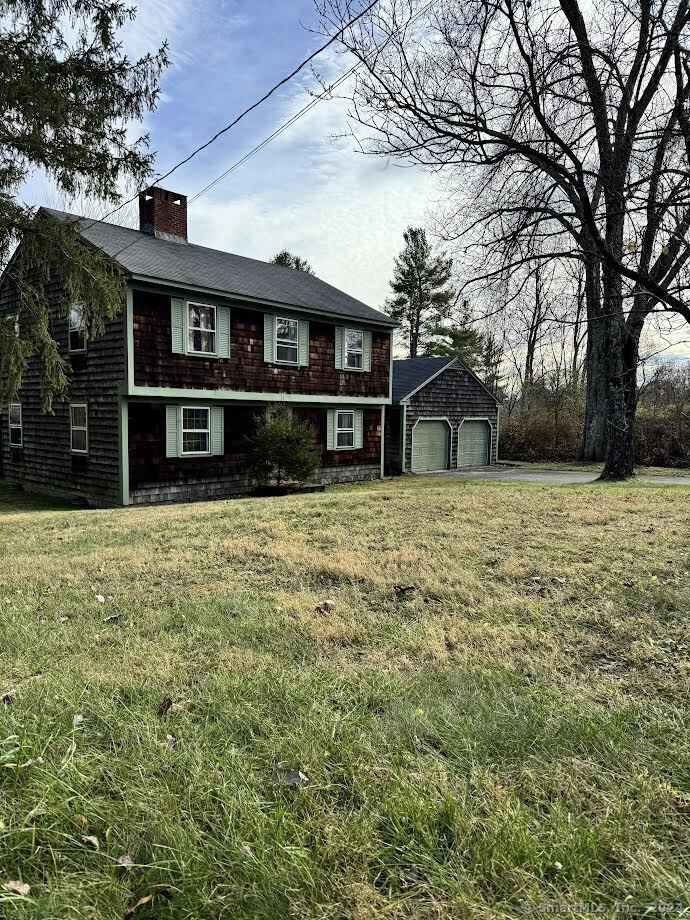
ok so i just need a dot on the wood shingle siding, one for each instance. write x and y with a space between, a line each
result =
45 462
155 477
454 394
156 365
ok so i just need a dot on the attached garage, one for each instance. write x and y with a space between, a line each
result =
430 446
474 443
442 417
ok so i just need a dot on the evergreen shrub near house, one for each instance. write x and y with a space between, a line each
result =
283 448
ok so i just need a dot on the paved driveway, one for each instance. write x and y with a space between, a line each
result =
553 476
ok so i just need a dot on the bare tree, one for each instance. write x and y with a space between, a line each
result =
570 121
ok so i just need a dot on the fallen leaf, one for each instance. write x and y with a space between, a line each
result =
162 891
92 841
16 887
285 776
164 706
77 720
100 599
327 606
182 706
140 903
125 861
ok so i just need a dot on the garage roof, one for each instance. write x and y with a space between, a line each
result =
411 374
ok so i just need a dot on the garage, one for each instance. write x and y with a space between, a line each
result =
436 401
474 443
430 446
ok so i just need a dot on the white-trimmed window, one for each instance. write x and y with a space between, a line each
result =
77 339
354 349
201 329
15 419
287 340
79 428
344 430
196 431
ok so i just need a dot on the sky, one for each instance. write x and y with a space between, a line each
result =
308 191
311 190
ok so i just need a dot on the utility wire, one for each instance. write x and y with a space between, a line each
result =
335 37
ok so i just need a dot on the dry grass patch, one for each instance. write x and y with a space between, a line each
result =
493 712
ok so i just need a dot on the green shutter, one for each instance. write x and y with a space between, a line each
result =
223 332
366 357
177 324
172 431
359 429
339 347
303 340
330 430
217 431
269 338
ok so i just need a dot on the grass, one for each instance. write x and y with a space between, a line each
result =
511 732
586 466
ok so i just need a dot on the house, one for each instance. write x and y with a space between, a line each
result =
160 405
442 417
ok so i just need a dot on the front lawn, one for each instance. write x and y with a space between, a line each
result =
490 716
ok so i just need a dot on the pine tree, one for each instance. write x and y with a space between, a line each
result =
457 339
286 258
69 95
423 297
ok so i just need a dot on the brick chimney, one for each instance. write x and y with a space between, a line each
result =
163 214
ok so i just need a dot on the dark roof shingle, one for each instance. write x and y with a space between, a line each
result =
413 372
223 272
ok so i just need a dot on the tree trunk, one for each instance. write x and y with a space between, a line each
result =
594 441
621 386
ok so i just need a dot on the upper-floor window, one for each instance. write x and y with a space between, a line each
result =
77 339
201 326
196 430
15 417
79 428
287 340
354 349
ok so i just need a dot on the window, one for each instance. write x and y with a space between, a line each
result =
287 340
354 349
15 416
345 429
201 326
196 435
77 339
79 428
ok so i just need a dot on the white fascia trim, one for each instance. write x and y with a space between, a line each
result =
160 284
421 386
241 396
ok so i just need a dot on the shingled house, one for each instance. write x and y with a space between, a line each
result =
160 405
442 417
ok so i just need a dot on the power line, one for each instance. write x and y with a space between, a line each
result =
335 37
293 119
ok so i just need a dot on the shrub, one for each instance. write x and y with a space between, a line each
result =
283 447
